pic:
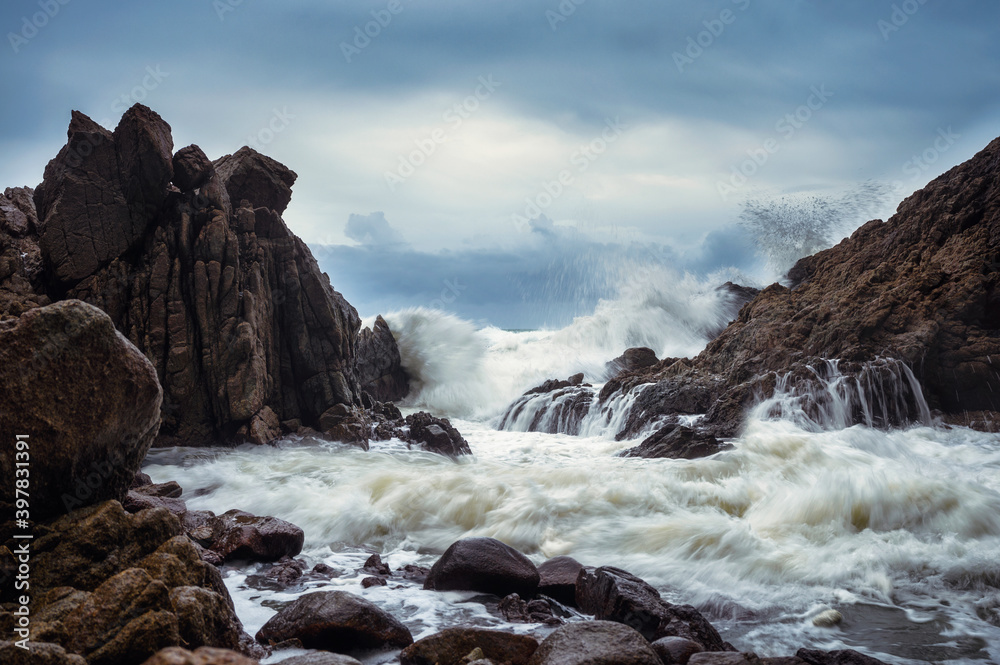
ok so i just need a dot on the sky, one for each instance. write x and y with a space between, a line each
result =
511 160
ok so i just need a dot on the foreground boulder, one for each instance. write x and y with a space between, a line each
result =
193 263
116 588
615 595
594 643
85 397
557 578
483 564
239 535
335 621
451 646
841 657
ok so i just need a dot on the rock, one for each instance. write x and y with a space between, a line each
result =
594 643
239 535
483 564
452 645
615 595
347 425
86 444
375 566
200 656
335 621
192 168
244 330
414 573
373 580
843 657
677 442
675 650
169 489
555 408
516 610
320 658
379 365
141 480
257 178
633 359
38 653
557 578
135 501
436 435
717 658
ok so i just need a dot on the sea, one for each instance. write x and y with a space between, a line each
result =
897 530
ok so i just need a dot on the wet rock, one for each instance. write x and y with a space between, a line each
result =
38 653
484 564
555 384
373 580
633 359
594 643
86 444
335 621
239 535
320 658
842 657
379 365
262 181
141 480
415 573
436 435
200 656
346 424
557 578
192 168
135 501
375 566
677 442
724 658
615 595
675 650
516 610
451 646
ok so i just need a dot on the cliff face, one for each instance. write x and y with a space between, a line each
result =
922 288
194 264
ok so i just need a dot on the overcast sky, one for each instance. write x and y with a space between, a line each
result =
493 129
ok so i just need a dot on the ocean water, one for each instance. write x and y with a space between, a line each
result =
897 530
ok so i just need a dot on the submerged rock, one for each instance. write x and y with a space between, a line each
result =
86 399
484 564
335 621
677 442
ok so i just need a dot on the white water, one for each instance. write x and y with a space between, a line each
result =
898 530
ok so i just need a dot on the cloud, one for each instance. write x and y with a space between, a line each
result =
372 229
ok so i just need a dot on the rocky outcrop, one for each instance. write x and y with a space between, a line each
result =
194 265
379 365
435 435
918 293
335 621
117 588
86 401
484 564
451 646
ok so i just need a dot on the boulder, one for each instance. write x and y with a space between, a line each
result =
677 442
335 621
38 653
320 658
88 400
615 595
257 178
675 650
484 564
557 578
841 657
379 365
192 168
517 610
239 535
632 359
200 656
723 658
436 435
594 643
452 645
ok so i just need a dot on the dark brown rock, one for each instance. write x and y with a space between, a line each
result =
192 168
320 658
723 658
373 580
38 653
335 621
594 643
200 656
632 359
88 399
517 610
379 366
557 578
436 435
376 566
239 535
135 501
483 564
677 442
615 595
675 650
842 657
257 178
451 646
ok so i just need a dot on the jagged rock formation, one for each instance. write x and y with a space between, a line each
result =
922 288
248 337
379 365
